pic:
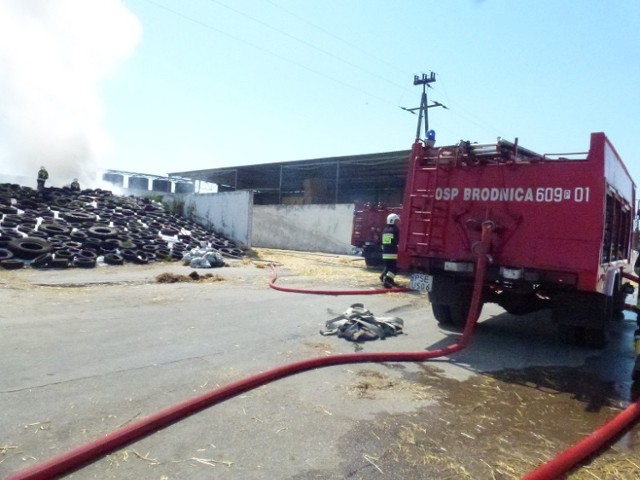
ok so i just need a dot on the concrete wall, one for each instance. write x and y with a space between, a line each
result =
311 228
228 213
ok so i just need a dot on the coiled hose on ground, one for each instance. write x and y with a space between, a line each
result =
68 462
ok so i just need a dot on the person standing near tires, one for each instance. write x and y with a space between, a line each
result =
43 175
75 185
390 237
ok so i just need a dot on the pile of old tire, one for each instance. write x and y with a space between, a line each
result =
57 228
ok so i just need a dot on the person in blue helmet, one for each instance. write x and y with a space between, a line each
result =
390 237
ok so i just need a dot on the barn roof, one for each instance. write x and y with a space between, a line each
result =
376 177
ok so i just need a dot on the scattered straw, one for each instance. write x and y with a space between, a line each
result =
192 277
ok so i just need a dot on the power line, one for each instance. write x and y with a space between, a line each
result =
303 66
304 42
272 53
336 37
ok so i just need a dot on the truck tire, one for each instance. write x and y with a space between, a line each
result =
372 254
29 247
450 300
520 304
619 298
441 313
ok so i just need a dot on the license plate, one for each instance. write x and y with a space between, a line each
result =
421 282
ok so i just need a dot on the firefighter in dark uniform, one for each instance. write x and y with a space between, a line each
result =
390 236
42 177
75 185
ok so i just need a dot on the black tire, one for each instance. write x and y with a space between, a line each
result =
78 235
8 210
129 255
64 254
113 259
170 231
441 313
5 254
29 247
42 261
459 312
54 229
141 257
103 232
372 254
11 264
456 296
78 217
520 304
86 253
619 298
84 262
59 262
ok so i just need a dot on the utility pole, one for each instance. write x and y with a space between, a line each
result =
425 80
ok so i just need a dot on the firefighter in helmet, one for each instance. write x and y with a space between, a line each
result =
390 236
42 177
75 185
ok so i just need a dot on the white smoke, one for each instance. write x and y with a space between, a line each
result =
54 56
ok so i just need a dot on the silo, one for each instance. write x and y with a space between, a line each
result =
139 183
161 185
114 178
184 187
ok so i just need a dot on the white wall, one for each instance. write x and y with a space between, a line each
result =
227 213
311 228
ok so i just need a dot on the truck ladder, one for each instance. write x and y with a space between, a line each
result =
427 216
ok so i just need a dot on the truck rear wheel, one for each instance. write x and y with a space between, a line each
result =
441 312
450 301
372 254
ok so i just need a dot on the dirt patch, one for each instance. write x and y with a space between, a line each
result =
341 270
490 427
372 385
192 277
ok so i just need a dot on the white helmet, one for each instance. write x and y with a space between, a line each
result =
392 218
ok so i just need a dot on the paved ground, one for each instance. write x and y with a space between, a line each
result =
85 352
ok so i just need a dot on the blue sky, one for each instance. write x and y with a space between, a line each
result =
215 83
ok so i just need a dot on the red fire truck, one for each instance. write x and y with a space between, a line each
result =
368 221
561 230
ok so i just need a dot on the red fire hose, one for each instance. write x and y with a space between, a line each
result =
272 284
89 452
